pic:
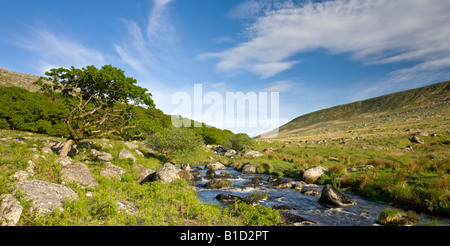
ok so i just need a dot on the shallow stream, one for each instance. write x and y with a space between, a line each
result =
363 213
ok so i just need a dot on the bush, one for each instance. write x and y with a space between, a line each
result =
238 142
179 144
256 216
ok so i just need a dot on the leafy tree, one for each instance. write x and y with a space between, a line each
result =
238 141
178 144
99 100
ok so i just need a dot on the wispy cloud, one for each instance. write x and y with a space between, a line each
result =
281 86
369 31
52 50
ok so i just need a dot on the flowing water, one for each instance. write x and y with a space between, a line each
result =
363 213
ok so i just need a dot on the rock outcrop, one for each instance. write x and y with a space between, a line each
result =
10 210
79 173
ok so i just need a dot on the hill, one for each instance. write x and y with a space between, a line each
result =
10 78
399 109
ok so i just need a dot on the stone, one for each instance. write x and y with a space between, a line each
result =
186 166
125 154
215 166
415 139
256 181
252 153
312 174
211 173
144 174
218 183
187 176
102 156
20 175
131 145
331 158
79 173
280 183
231 199
45 196
111 171
63 160
230 152
249 169
332 196
10 210
127 208
167 173
289 219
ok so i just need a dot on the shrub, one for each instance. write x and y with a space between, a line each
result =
256 216
179 144
238 142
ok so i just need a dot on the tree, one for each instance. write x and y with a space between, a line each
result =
99 100
238 141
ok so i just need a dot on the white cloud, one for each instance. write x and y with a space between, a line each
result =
369 31
281 86
52 50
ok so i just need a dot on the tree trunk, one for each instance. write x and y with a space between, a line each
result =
66 148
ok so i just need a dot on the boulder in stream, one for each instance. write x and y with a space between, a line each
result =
332 196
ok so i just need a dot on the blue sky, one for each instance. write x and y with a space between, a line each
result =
316 54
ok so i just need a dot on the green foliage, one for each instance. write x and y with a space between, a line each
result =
238 142
256 216
394 217
179 144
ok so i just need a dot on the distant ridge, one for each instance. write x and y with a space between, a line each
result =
10 78
427 96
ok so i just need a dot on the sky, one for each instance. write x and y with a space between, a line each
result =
309 55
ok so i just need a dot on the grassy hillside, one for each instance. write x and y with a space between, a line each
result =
11 78
432 100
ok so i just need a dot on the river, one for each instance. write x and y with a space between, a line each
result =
363 213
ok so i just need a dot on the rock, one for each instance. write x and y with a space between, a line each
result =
57 147
102 156
231 199
218 183
249 169
256 181
280 183
167 173
45 196
186 166
298 185
46 150
331 158
415 139
64 160
230 152
144 174
252 153
354 169
332 196
10 210
423 134
226 175
282 207
312 174
211 173
125 154
20 175
215 166
126 207
79 173
187 176
131 145
111 171
294 220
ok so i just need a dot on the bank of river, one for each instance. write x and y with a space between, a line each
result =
363 213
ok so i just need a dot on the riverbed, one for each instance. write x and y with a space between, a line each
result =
363 213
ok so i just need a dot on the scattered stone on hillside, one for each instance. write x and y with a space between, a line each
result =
423 134
111 171
252 153
215 166
332 196
63 160
20 175
138 152
31 167
57 147
126 207
144 174
79 173
102 156
45 196
125 154
415 139
10 210
131 145
289 219
249 169
218 183
331 158
312 174
230 152
354 169
167 173
46 150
